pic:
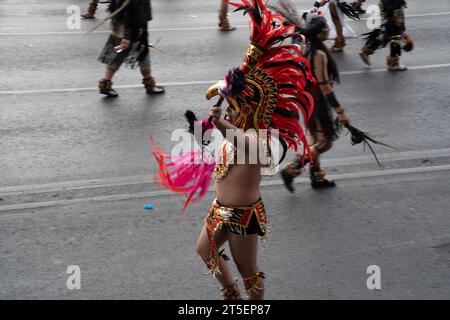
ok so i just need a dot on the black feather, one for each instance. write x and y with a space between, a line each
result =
191 118
285 148
275 40
348 10
245 8
257 13
287 113
287 9
287 85
375 39
238 81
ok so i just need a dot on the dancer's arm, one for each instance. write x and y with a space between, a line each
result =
131 27
224 126
321 73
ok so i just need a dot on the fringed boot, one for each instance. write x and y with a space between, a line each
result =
317 177
105 87
365 52
151 87
393 64
224 24
254 286
231 292
339 44
90 13
291 171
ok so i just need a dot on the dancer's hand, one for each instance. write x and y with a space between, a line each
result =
342 117
215 112
124 45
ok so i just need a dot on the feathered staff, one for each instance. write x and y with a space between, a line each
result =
358 136
190 173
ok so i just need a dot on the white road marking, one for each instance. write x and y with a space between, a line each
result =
200 82
121 197
57 33
53 33
143 179
444 13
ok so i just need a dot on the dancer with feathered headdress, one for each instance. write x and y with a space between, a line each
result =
267 93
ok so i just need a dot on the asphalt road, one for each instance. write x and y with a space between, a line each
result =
76 169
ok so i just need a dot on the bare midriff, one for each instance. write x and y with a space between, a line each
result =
240 187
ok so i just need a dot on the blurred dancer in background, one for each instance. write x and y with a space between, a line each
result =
392 31
128 43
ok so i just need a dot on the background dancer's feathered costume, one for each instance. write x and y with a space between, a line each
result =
392 31
268 91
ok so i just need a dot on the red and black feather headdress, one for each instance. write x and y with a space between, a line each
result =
277 77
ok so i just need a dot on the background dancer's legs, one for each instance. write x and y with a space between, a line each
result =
393 60
292 170
339 42
224 23
105 85
317 174
148 80
321 145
